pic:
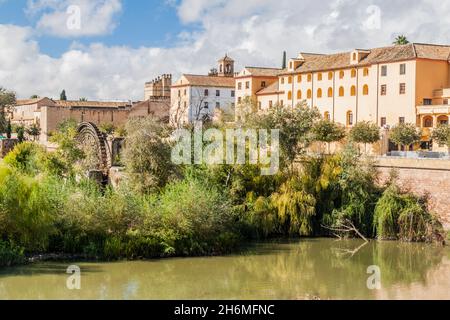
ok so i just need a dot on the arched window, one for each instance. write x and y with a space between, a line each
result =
354 56
289 79
299 78
330 92
366 72
341 92
341 74
353 73
353 91
299 94
319 93
442 120
282 80
349 118
366 90
309 77
290 95
319 76
326 116
309 94
330 75
428 122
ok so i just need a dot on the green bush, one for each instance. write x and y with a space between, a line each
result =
11 255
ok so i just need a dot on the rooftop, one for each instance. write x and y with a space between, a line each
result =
206 81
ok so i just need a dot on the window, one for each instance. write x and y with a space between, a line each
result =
330 75
446 101
247 85
383 121
233 93
179 93
403 68
309 94
349 118
290 95
282 80
184 91
319 76
354 56
428 122
383 89
402 88
353 91
206 105
330 92
428 102
263 84
179 104
217 93
401 120
289 79
341 91
366 72
299 78
299 94
217 105
291 65
281 103
185 104
366 90
206 93
341 74
383 71
309 77
319 93
353 73
259 105
326 116
239 100
239 85
270 103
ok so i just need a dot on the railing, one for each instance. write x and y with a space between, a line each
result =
433 109
419 155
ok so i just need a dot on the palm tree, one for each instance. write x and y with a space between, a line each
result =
400 40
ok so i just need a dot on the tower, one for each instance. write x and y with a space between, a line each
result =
226 67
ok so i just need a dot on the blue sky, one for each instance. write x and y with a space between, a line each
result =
121 44
150 23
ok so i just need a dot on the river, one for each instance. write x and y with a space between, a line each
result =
301 269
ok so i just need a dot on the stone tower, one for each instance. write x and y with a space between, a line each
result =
226 67
159 87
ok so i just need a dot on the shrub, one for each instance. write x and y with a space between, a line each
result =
11 255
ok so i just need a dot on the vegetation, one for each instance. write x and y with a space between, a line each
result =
7 101
63 96
401 40
327 132
366 133
405 134
47 205
442 135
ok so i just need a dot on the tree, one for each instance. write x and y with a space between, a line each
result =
295 125
284 63
34 131
7 102
63 96
83 99
34 96
401 40
405 134
442 135
9 129
365 132
20 133
327 132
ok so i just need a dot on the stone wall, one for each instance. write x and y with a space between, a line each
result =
423 177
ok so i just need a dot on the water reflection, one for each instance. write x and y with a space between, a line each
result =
316 268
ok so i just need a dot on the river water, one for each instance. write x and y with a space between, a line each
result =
301 269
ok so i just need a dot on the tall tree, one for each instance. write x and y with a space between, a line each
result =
7 101
400 40
63 96
284 64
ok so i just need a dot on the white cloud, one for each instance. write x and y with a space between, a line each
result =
75 18
254 32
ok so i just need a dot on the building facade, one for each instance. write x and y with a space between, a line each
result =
197 97
387 86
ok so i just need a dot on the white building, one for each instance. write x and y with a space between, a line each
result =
197 97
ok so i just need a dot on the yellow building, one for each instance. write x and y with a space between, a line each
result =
404 83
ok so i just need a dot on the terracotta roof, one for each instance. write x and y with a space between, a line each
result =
264 72
272 89
91 104
207 81
24 102
378 55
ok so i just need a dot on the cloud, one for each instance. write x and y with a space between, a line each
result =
75 18
254 32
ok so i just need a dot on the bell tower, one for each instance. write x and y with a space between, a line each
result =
226 67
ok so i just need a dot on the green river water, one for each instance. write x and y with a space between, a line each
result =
303 269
